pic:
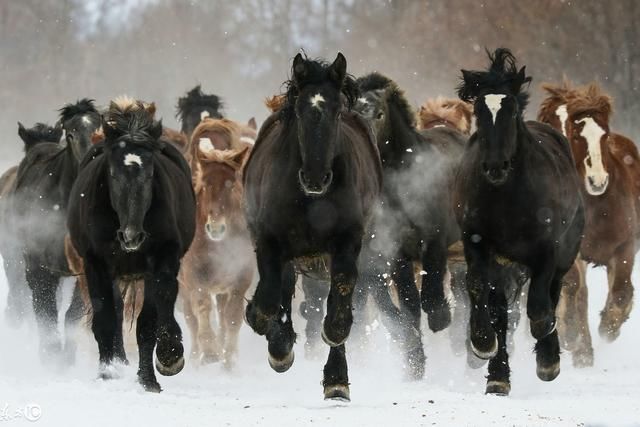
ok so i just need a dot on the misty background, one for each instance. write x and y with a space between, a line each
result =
56 51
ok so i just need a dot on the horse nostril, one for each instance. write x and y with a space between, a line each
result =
485 167
505 165
326 179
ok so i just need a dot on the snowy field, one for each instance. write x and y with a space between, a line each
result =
450 394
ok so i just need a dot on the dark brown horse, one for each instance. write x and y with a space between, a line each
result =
609 165
311 182
219 262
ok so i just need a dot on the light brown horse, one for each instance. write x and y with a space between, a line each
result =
219 262
610 167
448 112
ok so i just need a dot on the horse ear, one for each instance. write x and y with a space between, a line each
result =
241 156
109 129
520 79
338 70
252 123
155 131
299 69
465 90
22 132
150 108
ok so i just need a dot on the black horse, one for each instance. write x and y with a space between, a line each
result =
416 222
132 216
19 297
39 206
517 201
196 106
310 185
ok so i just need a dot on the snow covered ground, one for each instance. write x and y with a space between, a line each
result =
450 394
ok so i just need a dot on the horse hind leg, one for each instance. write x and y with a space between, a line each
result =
231 322
44 284
336 379
312 310
572 313
75 313
192 324
620 298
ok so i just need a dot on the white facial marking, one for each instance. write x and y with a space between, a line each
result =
596 177
562 114
248 140
316 100
132 159
86 120
494 103
205 145
204 114
363 100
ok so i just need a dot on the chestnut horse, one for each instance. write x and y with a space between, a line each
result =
609 165
219 262
447 112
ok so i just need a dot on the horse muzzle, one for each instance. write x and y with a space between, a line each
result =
596 184
496 175
131 240
216 230
315 187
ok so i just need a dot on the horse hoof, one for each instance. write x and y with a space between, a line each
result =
152 387
542 328
108 372
582 359
486 354
498 388
282 365
209 359
172 369
415 364
333 342
439 318
338 392
609 334
548 373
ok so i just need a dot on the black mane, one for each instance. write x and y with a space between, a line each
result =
44 133
502 76
81 107
195 98
133 122
396 96
317 72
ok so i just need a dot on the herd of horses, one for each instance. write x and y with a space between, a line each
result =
345 186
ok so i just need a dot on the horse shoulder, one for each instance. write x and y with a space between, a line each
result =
361 131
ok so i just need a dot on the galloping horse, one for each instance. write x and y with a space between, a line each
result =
517 201
310 185
132 216
196 106
18 299
609 165
416 221
219 262
39 207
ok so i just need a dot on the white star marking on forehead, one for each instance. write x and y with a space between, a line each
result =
316 100
494 103
86 120
132 159
204 114
363 100
562 114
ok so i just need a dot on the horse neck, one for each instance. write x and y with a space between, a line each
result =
402 137
68 171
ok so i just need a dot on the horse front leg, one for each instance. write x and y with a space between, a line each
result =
146 335
344 274
312 310
19 296
434 303
498 380
620 297
104 322
336 376
163 288
280 334
267 298
482 340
